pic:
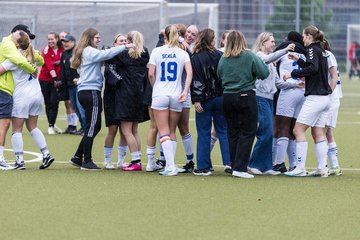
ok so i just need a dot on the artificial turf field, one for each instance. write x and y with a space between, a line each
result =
63 202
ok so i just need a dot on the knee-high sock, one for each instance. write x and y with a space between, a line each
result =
168 148
18 146
321 149
291 152
301 152
40 141
333 155
281 147
274 150
188 146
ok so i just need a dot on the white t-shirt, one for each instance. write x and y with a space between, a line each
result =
25 85
337 93
169 64
288 65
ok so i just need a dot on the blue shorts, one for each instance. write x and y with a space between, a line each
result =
6 105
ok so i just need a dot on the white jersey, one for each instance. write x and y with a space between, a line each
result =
169 63
337 93
25 85
288 65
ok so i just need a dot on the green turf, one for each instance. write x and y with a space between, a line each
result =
65 203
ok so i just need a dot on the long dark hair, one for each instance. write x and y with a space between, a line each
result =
205 41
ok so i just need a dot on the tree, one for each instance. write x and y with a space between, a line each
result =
311 12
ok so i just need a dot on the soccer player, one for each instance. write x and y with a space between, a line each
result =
28 104
334 81
166 66
314 110
289 103
9 51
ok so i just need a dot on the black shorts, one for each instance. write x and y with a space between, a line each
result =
6 104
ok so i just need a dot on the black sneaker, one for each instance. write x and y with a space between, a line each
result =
280 167
19 165
72 130
47 161
76 161
161 163
80 132
228 169
188 168
202 172
89 166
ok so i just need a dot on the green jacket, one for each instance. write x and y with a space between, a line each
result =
9 51
238 74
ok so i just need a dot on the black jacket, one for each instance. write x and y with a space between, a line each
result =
315 70
67 74
205 84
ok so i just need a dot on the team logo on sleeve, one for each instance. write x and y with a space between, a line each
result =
311 53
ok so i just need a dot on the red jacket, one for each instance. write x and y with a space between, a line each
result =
52 62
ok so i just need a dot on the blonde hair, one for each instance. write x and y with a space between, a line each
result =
117 36
86 39
172 35
29 53
137 39
260 40
235 44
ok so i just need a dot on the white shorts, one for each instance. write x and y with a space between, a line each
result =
290 102
166 102
333 113
24 108
314 111
187 102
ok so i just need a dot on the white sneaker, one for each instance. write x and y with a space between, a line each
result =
319 173
271 172
58 130
108 165
297 172
242 174
4 165
152 167
169 172
121 164
254 171
51 131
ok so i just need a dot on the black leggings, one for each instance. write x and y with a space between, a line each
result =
92 103
51 99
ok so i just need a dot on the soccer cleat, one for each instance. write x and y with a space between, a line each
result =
70 130
76 161
187 168
108 165
228 169
4 165
242 174
202 172
319 173
272 172
280 167
89 166
297 172
254 171
47 161
19 165
132 167
169 172
152 167
335 171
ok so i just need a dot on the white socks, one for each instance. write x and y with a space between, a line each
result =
321 149
107 154
291 151
301 152
121 153
18 146
281 147
333 155
150 151
40 141
188 146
